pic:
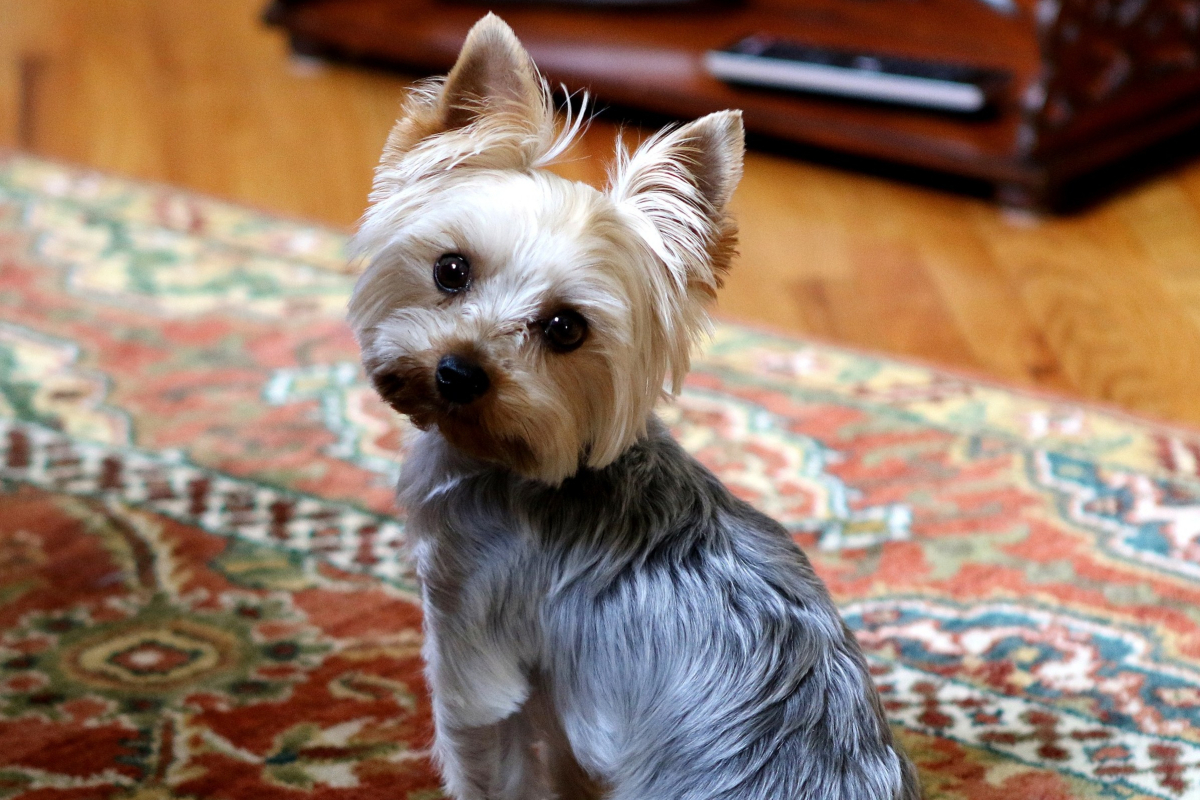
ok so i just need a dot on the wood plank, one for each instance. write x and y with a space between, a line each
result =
1097 297
984 302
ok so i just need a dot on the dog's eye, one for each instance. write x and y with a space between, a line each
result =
565 331
452 273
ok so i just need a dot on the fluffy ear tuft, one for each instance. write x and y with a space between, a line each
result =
720 145
680 183
674 191
493 75
493 111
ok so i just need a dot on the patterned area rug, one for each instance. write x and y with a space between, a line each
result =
203 592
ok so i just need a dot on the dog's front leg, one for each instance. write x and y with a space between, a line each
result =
491 762
483 737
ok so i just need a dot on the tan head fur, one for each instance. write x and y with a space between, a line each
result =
638 263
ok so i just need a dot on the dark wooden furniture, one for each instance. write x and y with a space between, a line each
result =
1093 81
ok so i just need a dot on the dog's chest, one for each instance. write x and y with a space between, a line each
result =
455 556
482 569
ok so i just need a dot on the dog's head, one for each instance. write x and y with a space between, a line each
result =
534 320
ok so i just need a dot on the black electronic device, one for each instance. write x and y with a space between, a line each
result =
767 61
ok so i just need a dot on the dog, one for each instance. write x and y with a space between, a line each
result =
603 618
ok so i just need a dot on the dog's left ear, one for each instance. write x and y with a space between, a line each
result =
679 184
493 75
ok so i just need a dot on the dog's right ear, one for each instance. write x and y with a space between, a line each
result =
493 75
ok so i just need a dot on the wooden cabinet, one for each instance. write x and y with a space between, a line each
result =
1092 81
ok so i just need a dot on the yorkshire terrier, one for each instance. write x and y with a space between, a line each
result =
603 618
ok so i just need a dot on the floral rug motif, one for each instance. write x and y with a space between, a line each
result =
203 583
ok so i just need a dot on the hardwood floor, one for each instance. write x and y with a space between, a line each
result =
1103 305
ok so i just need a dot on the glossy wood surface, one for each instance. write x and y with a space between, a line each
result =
1090 82
653 59
1104 305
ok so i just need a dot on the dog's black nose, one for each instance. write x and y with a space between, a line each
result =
459 380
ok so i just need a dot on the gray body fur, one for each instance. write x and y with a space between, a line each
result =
660 638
